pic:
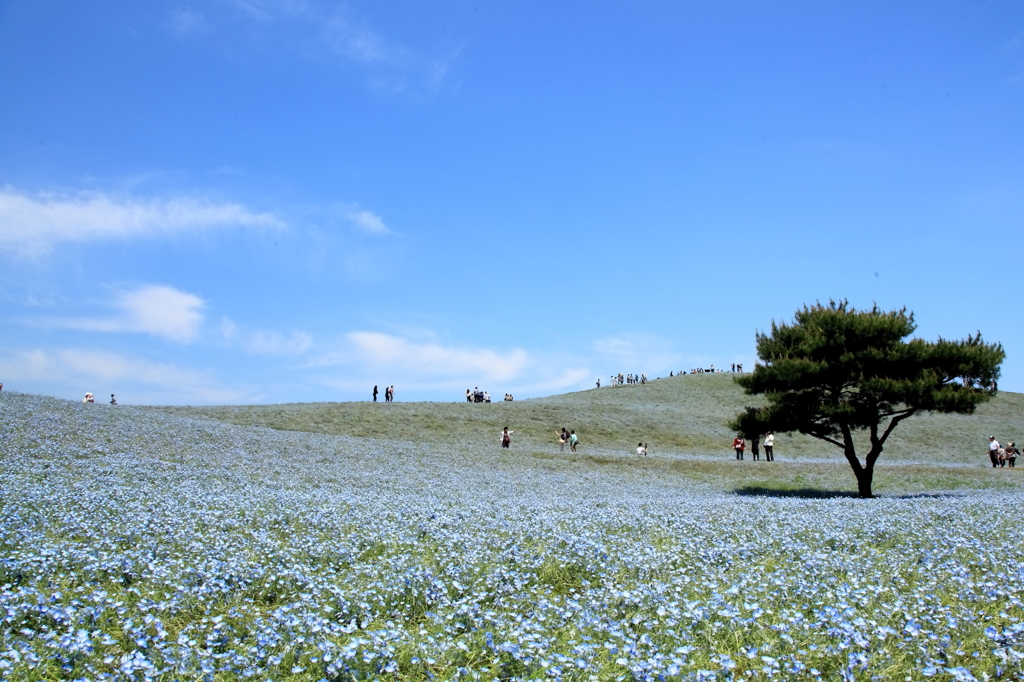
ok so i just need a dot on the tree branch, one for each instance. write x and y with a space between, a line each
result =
893 422
827 439
905 413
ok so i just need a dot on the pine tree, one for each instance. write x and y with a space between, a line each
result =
835 371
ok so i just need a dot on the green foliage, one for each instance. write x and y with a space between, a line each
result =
836 370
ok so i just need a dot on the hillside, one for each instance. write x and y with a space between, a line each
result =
684 415
193 548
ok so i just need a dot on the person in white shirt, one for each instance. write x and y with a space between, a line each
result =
769 445
641 450
993 451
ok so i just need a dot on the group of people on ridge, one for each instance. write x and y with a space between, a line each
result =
627 379
478 396
389 394
701 370
89 398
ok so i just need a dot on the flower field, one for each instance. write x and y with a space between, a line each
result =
143 545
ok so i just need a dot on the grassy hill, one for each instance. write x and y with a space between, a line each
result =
175 546
678 416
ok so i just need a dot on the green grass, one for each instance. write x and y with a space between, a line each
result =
425 548
683 419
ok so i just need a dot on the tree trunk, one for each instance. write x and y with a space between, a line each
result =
865 471
864 480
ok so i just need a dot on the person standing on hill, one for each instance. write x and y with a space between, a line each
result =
993 451
641 450
506 438
1011 454
754 442
375 393
739 445
563 438
573 441
769 447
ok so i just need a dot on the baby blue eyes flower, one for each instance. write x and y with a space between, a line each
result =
190 549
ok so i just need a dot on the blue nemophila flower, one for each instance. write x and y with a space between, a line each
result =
181 548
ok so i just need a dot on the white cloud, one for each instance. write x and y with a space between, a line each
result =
32 225
367 221
575 377
262 342
228 329
151 309
426 361
335 30
633 352
266 10
361 44
275 343
74 371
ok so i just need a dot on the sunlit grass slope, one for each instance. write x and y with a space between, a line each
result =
678 416
141 545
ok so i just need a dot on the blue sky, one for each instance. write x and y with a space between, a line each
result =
258 201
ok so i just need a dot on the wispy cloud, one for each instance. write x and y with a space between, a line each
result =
574 377
634 352
417 361
263 342
361 44
266 10
335 32
33 225
151 309
393 68
276 343
72 372
367 221
184 21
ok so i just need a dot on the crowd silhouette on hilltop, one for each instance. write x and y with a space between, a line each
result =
625 379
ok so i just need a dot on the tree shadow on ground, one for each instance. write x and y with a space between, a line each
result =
805 493
816 494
